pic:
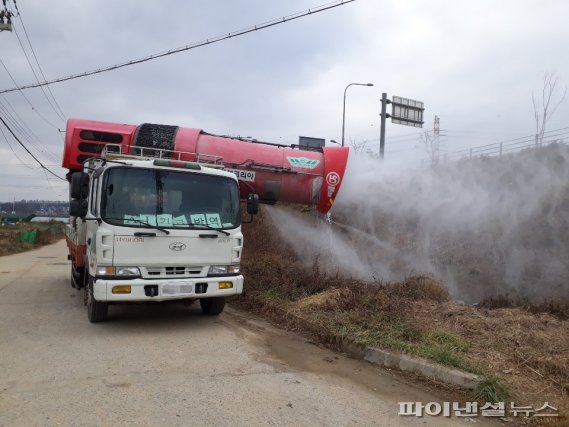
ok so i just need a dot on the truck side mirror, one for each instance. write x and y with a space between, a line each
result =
252 204
79 186
78 208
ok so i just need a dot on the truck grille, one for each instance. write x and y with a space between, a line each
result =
171 272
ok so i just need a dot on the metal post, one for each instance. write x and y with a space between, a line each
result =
344 109
384 115
501 145
344 114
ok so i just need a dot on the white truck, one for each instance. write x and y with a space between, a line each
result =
155 209
147 226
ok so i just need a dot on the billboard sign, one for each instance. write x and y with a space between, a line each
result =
407 112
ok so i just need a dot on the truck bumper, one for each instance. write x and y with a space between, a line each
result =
166 290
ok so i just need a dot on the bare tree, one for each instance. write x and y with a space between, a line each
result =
544 107
358 147
432 144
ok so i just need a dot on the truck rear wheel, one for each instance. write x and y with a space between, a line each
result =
212 306
96 310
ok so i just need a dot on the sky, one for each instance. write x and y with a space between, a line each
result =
474 64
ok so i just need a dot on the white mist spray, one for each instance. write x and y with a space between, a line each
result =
485 226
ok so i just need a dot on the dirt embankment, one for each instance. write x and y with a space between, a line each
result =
486 227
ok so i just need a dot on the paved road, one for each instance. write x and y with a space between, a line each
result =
167 365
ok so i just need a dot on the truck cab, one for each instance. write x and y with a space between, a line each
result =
146 226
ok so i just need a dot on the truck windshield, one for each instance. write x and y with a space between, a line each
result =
169 199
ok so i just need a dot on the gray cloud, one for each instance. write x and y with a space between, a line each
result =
473 63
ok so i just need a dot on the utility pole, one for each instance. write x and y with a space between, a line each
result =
384 116
436 141
436 128
5 18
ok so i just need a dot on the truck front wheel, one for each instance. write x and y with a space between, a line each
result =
96 310
212 306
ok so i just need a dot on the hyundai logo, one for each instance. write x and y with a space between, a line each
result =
177 246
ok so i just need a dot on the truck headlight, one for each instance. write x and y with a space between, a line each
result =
128 271
118 272
224 270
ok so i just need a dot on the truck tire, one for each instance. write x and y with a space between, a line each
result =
96 310
212 306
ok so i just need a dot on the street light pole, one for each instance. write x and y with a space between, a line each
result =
384 117
344 109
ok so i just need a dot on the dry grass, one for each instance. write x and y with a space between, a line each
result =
11 243
559 307
523 348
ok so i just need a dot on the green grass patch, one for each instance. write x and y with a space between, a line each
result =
446 349
491 389
394 334
275 295
400 335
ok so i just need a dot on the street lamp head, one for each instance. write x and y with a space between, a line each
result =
369 84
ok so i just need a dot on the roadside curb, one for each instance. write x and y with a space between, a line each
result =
421 366
405 362
401 361
377 356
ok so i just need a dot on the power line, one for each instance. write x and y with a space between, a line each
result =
37 61
13 110
22 163
30 165
51 185
35 186
61 116
406 137
21 126
26 98
416 134
28 151
5 111
18 126
212 40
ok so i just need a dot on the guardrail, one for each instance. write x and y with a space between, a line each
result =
511 146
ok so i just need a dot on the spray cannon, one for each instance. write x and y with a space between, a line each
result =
292 174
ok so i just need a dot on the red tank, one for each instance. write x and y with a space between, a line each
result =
275 172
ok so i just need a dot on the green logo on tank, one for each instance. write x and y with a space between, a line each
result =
303 162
